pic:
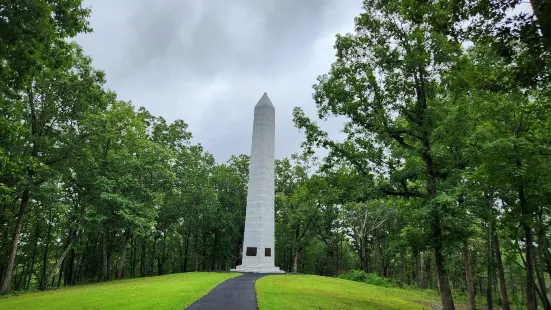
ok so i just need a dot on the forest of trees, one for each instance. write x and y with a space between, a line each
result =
443 180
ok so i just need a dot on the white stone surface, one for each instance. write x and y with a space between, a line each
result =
259 220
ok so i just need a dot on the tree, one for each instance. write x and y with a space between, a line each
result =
297 201
509 141
52 109
386 81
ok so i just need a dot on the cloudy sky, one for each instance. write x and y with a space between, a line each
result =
208 61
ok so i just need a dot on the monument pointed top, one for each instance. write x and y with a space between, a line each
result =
264 102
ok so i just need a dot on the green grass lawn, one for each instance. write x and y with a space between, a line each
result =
174 291
315 292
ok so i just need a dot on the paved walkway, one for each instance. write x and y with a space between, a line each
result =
233 294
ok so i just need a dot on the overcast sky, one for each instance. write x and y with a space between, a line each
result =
208 62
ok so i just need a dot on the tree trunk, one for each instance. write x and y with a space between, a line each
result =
489 295
469 276
336 261
422 282
142 258
195 250
186 250
542 11
384 266
434 279
6 282
543 246
59 278
291 258
60 261
542 287
546 256
490 269
43 284
153 254
120 271
109 247
15 273
161 256
361 253
133 248
4 251
33 255
19 281
213 258
92 269
436 229
69 270
489 248
531 303
539 294
105 268
501 274
403 265
443 282
204 251
414 269
295 259
78 269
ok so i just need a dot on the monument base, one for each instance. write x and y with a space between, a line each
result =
258 269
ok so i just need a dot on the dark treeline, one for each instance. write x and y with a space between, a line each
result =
443 179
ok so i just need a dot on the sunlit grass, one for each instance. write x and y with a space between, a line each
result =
315 292
175 291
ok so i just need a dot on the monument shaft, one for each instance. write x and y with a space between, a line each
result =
258 243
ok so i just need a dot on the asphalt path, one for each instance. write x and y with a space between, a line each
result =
233 294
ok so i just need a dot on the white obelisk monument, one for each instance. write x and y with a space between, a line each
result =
258 242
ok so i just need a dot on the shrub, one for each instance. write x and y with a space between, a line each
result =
369 278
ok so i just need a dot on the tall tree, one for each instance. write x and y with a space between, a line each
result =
386 81
53 109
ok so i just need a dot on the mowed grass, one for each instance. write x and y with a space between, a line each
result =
175 291
315 292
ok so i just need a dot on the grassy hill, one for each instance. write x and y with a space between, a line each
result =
174 291
315 292
177 291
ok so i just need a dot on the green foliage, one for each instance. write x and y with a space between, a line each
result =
445 106
369 278
32 38
91 186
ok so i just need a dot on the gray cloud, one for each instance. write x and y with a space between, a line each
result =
207 37
208 62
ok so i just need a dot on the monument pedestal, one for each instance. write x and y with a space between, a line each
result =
258 269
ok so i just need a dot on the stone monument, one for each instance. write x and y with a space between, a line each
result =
258 242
